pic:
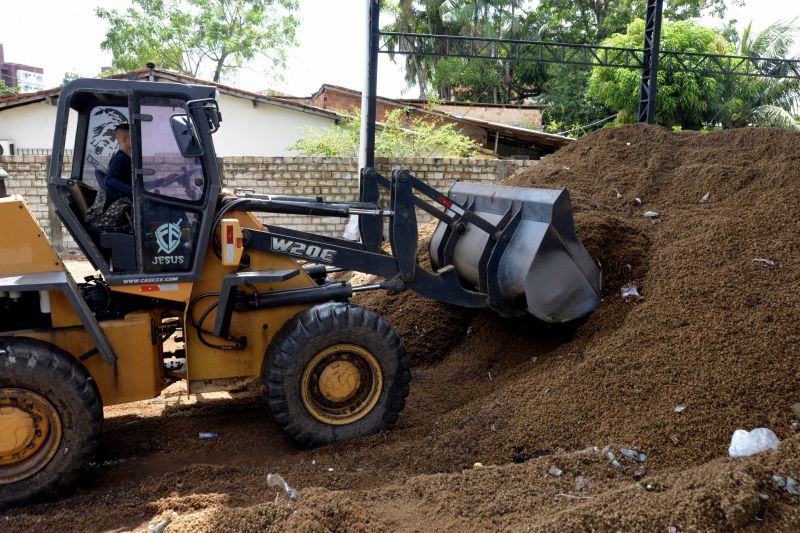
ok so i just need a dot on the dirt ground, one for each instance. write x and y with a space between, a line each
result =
496 403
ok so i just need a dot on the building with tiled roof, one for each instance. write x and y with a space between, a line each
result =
254 124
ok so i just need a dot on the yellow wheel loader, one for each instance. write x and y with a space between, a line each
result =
194 287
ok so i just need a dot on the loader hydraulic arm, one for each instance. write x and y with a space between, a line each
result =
509 249
399 270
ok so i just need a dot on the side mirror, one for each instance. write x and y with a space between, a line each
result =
186 135
211 109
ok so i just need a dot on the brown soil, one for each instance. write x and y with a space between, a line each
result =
715 332
428 329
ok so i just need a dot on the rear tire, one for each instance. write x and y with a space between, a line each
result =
335 372
51 411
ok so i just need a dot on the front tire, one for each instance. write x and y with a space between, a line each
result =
50 420
335 372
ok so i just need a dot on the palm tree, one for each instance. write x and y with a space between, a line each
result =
425 17
773 102
485 18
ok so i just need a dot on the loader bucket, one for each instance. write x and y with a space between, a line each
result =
534 262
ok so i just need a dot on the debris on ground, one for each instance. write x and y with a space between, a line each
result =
744 443
161 525
555 471
651 214
582 483
788 484
563 496
768 262
633 454
630 292
275 480
680 409
705 197
205 435
613 459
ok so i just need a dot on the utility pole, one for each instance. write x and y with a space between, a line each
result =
366 147
652 42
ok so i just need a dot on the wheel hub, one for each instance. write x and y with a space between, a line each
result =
17 430
339 381
341 384
30 433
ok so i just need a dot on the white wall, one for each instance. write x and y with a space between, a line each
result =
31 126
264 130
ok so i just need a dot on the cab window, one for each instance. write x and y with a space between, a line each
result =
101 143
166 172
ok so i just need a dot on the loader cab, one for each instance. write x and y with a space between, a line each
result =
174 176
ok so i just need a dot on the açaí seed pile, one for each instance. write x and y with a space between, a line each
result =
716 332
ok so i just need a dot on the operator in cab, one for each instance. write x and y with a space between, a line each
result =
117 180
112 208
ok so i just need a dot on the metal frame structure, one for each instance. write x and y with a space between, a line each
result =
652 43
592 55
649 59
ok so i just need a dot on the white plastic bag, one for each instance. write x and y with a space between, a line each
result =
744 443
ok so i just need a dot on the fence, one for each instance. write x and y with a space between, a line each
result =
331 178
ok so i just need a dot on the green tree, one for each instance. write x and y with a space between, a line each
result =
195 36
762 101
69 76
575 21
684 99
398 136
591 21
455 78
5 90
569 107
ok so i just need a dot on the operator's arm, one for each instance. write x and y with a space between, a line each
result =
118 177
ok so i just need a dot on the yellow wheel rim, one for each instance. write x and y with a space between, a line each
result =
30 433
341 384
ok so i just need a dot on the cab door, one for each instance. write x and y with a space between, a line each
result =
171 192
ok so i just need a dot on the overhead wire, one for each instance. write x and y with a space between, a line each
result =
615 115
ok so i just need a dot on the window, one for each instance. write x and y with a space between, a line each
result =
100 141
166 172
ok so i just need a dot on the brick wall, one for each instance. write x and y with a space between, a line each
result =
527 117
332 178
28 177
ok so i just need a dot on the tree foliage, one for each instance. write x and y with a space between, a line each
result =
5 90
398 136
591 21
762 101
568 106
69 76
694 100
572 21
684 98
199 36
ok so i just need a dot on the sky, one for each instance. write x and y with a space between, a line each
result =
64 36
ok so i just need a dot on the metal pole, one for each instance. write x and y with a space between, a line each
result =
366 151
652 42
366 147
